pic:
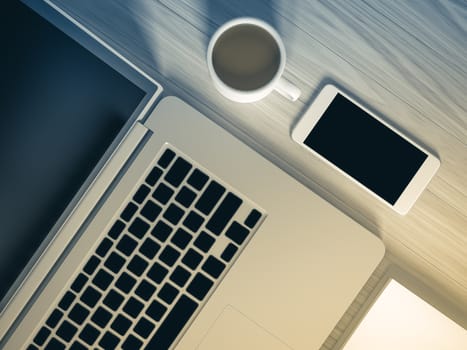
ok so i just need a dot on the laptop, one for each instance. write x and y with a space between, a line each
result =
186 238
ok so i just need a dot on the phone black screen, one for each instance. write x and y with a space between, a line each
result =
365 149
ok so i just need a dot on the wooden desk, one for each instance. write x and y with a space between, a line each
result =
407 60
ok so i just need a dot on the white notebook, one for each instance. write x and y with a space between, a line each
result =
401 320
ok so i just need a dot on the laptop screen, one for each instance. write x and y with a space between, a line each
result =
60 108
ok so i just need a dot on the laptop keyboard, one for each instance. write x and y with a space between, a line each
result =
157 265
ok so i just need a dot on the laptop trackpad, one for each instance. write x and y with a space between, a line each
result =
232 331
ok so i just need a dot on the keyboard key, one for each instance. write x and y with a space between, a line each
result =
32 347
78 314
101 317
133 307
116 229
173 324
91 265
161 231
145 290
90 296
125 283
79 283
121 324
237 232
252 218
177 172
192 259
114 262
213 267
168 293
42 336
149 248
153 176
169 256
109 341
138 228
104 247
89 334
224 213
129 211
66 331
210 197
229 252
193 221
132 343
127 245
173 214
141 194
181 238
156 310
113 300
66 301
198 179
54 318
200 286
157 272
162 193
150 211
180 276
137 265
204 241
55 344
185 197
144 327
78 346
102 279
166 158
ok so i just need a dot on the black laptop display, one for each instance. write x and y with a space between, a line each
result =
60 109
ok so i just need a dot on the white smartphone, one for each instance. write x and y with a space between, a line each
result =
366 149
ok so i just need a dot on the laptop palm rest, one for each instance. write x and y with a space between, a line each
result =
232 330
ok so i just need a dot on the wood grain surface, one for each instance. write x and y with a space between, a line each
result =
405 60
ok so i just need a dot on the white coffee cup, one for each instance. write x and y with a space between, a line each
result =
246 59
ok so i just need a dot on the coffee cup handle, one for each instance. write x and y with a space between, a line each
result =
287 89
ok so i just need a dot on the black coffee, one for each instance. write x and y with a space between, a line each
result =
246 57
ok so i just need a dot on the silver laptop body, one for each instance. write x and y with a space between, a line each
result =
188 239
293 274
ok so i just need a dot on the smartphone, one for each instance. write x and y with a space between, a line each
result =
363 147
